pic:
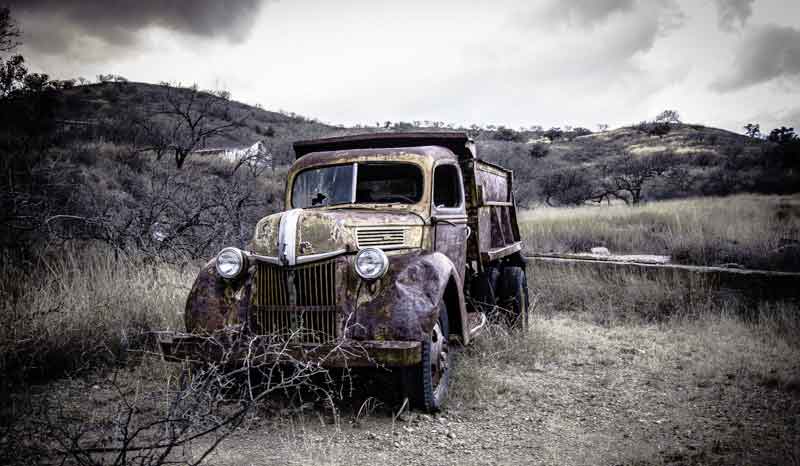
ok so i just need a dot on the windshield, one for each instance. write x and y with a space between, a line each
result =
376 183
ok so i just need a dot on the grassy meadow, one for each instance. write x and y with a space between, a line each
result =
754 231
85 308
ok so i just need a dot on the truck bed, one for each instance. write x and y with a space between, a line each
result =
492 211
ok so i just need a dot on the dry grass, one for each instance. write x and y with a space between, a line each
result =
640 369
80 308
752 230
626 295
481 371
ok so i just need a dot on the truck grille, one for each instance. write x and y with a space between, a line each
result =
381 237
298 301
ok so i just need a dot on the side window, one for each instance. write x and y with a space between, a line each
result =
446 187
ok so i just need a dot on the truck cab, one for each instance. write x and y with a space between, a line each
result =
394 249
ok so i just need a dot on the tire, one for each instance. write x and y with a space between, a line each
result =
514 297
484 290
427 384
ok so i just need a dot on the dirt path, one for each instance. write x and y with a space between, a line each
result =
706 393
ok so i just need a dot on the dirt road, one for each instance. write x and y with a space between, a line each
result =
707 392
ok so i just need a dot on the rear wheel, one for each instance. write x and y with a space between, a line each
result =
426 385
513 297
485 292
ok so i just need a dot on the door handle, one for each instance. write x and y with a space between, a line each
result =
436 220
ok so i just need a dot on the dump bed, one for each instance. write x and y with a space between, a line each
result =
492 212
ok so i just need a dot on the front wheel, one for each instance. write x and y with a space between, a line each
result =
426 385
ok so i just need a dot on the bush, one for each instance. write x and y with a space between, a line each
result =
553 134
565 186
539 151
654 128
506 134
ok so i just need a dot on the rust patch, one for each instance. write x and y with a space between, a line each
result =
215 303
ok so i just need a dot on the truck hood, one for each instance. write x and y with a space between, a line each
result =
304 235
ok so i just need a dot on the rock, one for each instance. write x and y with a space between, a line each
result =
451 435
600 251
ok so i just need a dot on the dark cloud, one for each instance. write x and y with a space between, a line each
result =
54 26
769 52
733 13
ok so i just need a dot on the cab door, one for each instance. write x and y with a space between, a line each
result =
449 214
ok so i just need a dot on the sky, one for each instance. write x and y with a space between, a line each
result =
516 63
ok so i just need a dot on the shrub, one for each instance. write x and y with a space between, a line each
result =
539 150
654 128
506 134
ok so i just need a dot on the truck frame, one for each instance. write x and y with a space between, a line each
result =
396 248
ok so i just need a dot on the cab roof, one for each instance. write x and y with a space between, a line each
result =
457 142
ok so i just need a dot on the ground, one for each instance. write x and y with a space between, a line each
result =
593 395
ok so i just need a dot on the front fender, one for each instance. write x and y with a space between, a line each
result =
215 302
404 303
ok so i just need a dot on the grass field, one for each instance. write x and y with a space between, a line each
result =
81 309
622 368
754 231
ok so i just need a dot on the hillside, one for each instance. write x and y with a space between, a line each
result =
642 162
630 164
105 103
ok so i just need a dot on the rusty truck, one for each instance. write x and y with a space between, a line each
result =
396 246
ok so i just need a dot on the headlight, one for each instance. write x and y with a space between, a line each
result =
371 263
230 262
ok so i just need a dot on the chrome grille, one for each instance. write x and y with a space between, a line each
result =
299 301
381 237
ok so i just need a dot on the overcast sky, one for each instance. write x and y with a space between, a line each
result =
512 62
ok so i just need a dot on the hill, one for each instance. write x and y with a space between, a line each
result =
647 161
632 164
111 104
117 162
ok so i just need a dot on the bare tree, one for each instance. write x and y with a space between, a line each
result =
186 118
627 175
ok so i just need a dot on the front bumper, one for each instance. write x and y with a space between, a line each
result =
238 349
